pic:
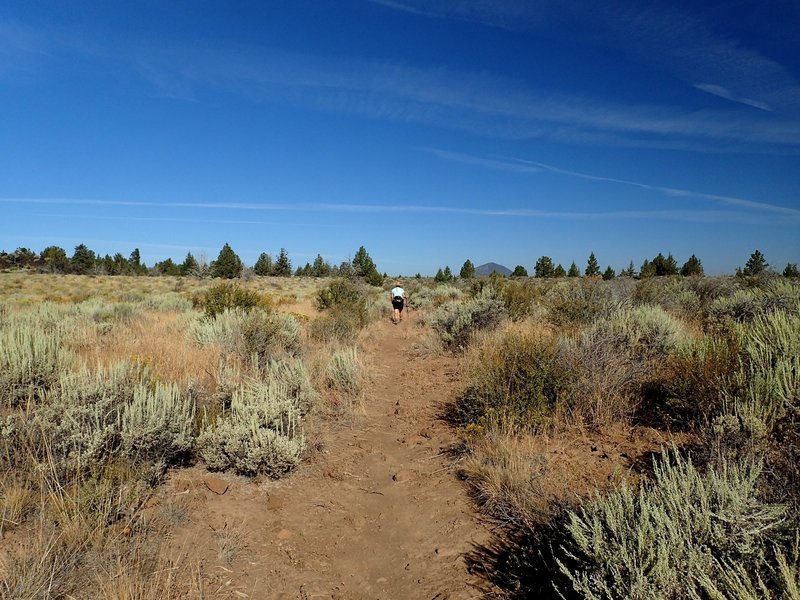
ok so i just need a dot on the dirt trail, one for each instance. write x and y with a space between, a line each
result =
379 514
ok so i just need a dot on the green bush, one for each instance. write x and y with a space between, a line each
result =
704 375
668 540
519 298
516 376
345 312
226 295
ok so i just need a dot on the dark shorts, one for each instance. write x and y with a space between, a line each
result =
397 304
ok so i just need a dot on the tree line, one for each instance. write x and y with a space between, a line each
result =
659 266
228 264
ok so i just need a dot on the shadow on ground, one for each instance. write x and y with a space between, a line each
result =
520 564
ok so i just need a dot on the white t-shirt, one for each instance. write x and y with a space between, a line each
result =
398 291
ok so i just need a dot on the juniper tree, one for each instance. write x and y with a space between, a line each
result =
440 276
573 270
692 267
228 264
189 265
448 274
82 260
609 273
320 268
519 271
54 259
559 271
263 266
544 267
791 270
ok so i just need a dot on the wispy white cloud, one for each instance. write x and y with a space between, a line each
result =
669 37
176 219
506 164
718 90
380 209
477 102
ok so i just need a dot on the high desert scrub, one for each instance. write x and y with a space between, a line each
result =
101 392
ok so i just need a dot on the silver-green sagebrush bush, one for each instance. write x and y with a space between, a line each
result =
157 424
260 433
425 297
31 361
668 539
457 322
258 332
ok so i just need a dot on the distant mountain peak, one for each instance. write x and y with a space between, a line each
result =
490 267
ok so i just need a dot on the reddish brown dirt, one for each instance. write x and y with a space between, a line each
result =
378 514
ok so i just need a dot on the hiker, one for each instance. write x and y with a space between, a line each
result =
399 299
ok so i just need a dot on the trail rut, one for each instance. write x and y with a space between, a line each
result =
378 514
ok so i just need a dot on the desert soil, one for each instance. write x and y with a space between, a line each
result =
377 513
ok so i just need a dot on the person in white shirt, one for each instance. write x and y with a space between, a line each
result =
398 298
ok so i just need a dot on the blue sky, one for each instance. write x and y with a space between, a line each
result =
428 131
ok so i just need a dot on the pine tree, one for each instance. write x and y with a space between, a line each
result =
573 270
609 273
448 274
629 272
692 267
320 268
135 262
362 263
467 270
559 272
592 268
755 265
544 267
648 269
263 266
791 270
283 266
228 264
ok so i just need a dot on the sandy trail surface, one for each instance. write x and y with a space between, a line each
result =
379 512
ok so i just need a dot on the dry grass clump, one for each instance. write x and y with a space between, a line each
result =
345 372
514 375
508 478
